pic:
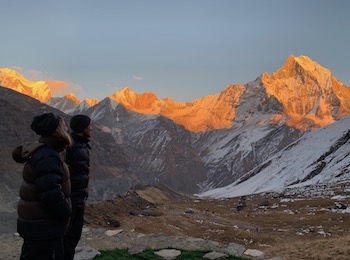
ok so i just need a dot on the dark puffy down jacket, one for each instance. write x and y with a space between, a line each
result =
44 207
78 161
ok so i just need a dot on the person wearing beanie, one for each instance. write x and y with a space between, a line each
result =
45 124
44 207
78 161
79 123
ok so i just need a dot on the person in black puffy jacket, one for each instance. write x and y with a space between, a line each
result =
44 207
78 161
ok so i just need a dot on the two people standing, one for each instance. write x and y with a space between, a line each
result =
51 205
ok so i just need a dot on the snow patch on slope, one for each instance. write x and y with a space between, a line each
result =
313 159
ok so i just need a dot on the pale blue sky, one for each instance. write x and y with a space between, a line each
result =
182 49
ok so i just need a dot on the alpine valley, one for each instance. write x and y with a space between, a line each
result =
287 129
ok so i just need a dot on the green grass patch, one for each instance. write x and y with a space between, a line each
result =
122 254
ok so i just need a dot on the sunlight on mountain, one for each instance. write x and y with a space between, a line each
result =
308 92
12 79
301 94
73 98
91 102
203 114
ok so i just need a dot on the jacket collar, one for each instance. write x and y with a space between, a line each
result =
55 142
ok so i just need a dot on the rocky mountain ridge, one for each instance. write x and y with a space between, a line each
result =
70 104
231 132
305 94
310 95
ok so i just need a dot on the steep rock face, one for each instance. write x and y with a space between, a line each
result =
159 150
310 95
229 154
69 104
110 167
65 104
254 136
319 158
11 79
257 131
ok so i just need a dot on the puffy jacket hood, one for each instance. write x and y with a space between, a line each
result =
22 153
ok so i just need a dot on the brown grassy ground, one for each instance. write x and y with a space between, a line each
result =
290 226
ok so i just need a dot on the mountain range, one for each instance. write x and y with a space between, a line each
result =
224 141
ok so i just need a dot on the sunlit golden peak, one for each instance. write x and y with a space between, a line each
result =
73 98
308 65
15 75
10 78
91 102
133 100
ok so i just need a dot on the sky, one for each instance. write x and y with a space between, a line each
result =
183 49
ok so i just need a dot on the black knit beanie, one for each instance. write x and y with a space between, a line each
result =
79 123
45 124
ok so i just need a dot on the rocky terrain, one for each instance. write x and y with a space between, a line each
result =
298 224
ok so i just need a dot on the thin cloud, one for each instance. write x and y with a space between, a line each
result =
137 77
59 87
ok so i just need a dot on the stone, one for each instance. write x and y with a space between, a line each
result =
235 249
253 254
85 253
214 255
98 231
168 254
113 232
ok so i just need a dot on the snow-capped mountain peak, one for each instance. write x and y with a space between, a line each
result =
91 102
311 97
37 89
73 98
